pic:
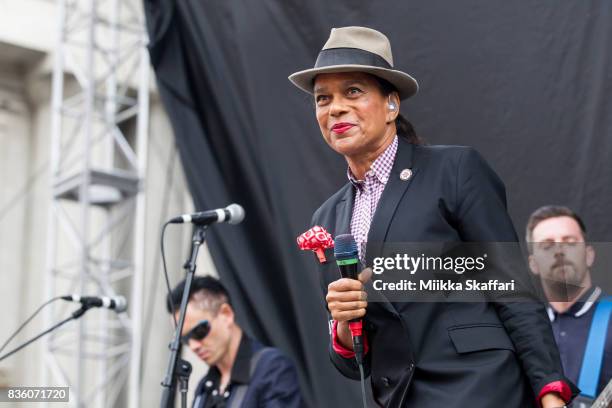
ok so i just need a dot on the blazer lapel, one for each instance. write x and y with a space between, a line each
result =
393 193
344 210
387 205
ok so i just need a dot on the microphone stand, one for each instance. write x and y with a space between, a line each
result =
75 315
174 362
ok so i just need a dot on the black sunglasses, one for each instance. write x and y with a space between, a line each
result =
198 332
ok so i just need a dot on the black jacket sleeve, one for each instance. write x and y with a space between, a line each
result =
482 217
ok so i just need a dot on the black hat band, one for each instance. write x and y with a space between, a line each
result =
350 56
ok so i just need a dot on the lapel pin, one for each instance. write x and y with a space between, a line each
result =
405 174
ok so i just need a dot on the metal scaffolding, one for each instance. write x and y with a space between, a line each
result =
100 115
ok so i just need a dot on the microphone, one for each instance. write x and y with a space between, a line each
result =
233 214
116 303
347 258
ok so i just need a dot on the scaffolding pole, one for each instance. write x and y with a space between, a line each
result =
99 136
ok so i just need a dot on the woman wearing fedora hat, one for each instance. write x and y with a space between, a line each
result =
419 354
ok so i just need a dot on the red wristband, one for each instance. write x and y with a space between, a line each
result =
559 387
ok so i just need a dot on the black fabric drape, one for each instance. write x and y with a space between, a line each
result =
526 83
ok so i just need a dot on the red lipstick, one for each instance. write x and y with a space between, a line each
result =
342 127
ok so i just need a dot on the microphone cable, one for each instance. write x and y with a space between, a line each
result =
28 320
358 348
363 393
169 290
357 336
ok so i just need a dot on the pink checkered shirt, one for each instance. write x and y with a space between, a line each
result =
368 193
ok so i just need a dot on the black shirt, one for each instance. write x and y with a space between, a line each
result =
211 382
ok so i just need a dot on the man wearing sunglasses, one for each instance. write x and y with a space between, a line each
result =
243 373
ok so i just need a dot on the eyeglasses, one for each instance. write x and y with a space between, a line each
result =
198 332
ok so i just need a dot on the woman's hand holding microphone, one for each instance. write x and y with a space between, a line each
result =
347 300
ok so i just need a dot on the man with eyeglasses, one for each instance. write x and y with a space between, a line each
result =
578 311
243 373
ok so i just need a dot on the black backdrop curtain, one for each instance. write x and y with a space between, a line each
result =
526 83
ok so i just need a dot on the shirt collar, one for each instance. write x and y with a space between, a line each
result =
582 305
241 370
381 168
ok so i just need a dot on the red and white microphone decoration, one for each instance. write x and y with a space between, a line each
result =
316 239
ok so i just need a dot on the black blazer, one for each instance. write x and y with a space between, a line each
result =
445 354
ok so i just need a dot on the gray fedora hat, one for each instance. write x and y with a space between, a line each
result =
357 49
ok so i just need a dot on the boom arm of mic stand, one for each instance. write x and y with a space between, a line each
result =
75 315
168 384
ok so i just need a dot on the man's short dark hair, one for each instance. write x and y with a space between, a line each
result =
546 212
210 288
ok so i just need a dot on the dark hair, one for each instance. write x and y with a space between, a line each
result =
546 212
208 286
404 127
